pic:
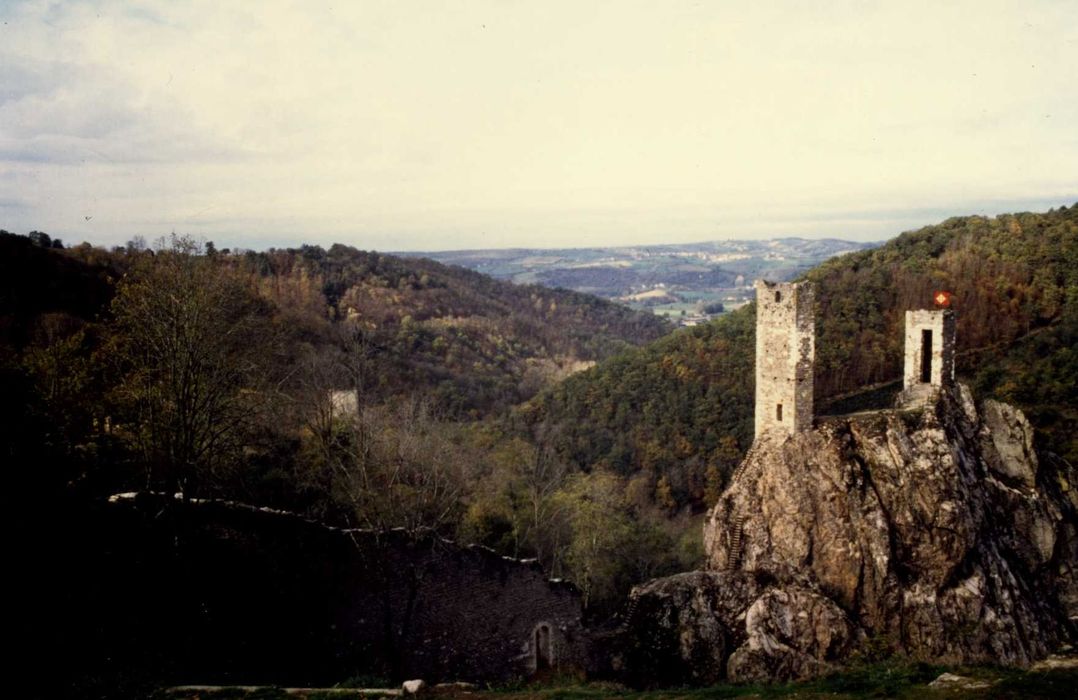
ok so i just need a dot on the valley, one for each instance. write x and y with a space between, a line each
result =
688 283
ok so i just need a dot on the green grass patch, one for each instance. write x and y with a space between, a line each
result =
888 679
884 679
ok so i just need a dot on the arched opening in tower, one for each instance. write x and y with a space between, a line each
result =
926 356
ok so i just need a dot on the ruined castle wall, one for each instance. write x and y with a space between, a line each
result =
941 324
785 353
235 596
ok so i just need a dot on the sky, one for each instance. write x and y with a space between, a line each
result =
433 125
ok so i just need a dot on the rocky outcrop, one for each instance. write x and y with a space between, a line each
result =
683 628
792 633
935 532
703 627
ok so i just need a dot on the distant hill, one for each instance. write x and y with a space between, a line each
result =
691 273
473 342
620 270
681 408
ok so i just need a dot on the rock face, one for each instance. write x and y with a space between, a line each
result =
792 633
683 628
934 532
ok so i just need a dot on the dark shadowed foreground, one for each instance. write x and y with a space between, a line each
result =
226 594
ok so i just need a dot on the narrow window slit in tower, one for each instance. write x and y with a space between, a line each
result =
778 413
778 297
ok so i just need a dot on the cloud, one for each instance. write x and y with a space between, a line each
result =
400 125
11 204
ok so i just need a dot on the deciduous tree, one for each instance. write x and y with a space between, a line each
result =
193 344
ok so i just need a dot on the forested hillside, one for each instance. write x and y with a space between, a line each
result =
475 343
680 409
211 373
351 387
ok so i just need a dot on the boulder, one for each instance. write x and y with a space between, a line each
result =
792 633
952 681
683 628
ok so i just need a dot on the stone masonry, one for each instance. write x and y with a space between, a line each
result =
929 349
243 593
785 352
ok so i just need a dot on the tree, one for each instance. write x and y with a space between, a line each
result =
60 364
595 508
542 472
136 245
397 467
664 495
191 341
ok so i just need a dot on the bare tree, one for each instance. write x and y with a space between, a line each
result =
358 359
191 342
542 473
400 469
319 375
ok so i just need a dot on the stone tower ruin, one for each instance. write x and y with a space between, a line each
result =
785 353
929 349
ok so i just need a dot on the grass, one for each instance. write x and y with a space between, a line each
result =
880 680
886 679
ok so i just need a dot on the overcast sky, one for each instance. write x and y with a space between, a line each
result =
441 125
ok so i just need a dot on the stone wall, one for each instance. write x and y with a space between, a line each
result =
224 593
785 352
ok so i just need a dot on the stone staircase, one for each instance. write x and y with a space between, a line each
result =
741 467
630 611
736 541
735 534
